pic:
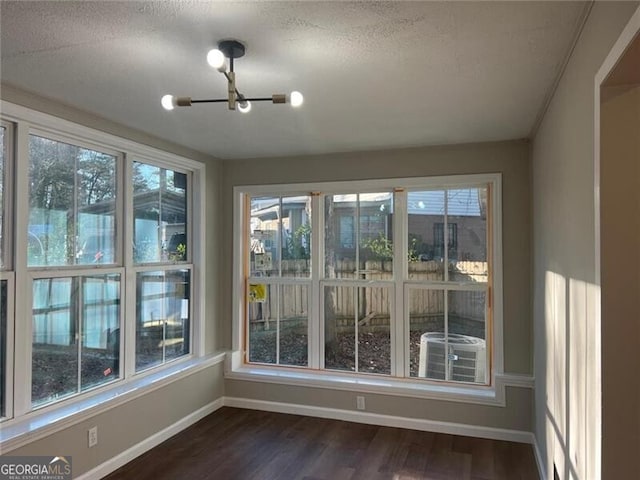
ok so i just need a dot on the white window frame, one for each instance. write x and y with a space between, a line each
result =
25 122
7 198
493 393
7 273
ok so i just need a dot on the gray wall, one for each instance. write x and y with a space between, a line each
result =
565 294
123 427
509 158
128 424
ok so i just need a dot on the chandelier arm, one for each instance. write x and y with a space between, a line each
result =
223 100
259 99
212 100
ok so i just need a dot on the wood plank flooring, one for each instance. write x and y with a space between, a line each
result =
237 444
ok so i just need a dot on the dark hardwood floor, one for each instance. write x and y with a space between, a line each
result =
242 444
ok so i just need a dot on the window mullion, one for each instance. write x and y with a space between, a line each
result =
316 349
399 327
445 236
24 282
356 234
445 256
128 317
447 361
278 316
77 299
8 196
356 310
197 241
164 321
9 347
75 216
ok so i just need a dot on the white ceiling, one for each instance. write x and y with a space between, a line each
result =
374 75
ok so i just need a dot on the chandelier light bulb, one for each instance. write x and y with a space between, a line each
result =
296 99
168 102
216 59
244 106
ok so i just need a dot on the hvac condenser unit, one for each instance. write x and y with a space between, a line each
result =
467 357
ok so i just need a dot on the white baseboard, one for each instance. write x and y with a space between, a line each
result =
539 461
118 461
384 420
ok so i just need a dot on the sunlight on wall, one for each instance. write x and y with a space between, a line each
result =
572 377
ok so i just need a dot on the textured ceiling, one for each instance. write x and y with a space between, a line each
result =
374 75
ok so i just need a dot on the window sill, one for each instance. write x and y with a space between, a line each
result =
41 423
475 394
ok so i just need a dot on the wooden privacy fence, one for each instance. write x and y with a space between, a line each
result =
374 302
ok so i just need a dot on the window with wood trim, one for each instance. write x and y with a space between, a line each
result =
396 281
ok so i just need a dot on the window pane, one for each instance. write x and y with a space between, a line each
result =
357 313
374 334
72 193
100 349
294 324
280 228
3 158
160 214
263 324
426 330
358 235
375 235
426 211
65 309
467 333
340 237
296 236
339 328
162 317
452 346
55 350
3 345
264 248
467 234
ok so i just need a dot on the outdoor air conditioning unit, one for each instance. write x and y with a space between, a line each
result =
467 357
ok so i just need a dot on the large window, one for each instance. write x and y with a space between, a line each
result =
401 286
76 221
97 233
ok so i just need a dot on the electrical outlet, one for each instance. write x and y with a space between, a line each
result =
93 436
360 403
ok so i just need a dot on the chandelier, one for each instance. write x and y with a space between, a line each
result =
222 58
